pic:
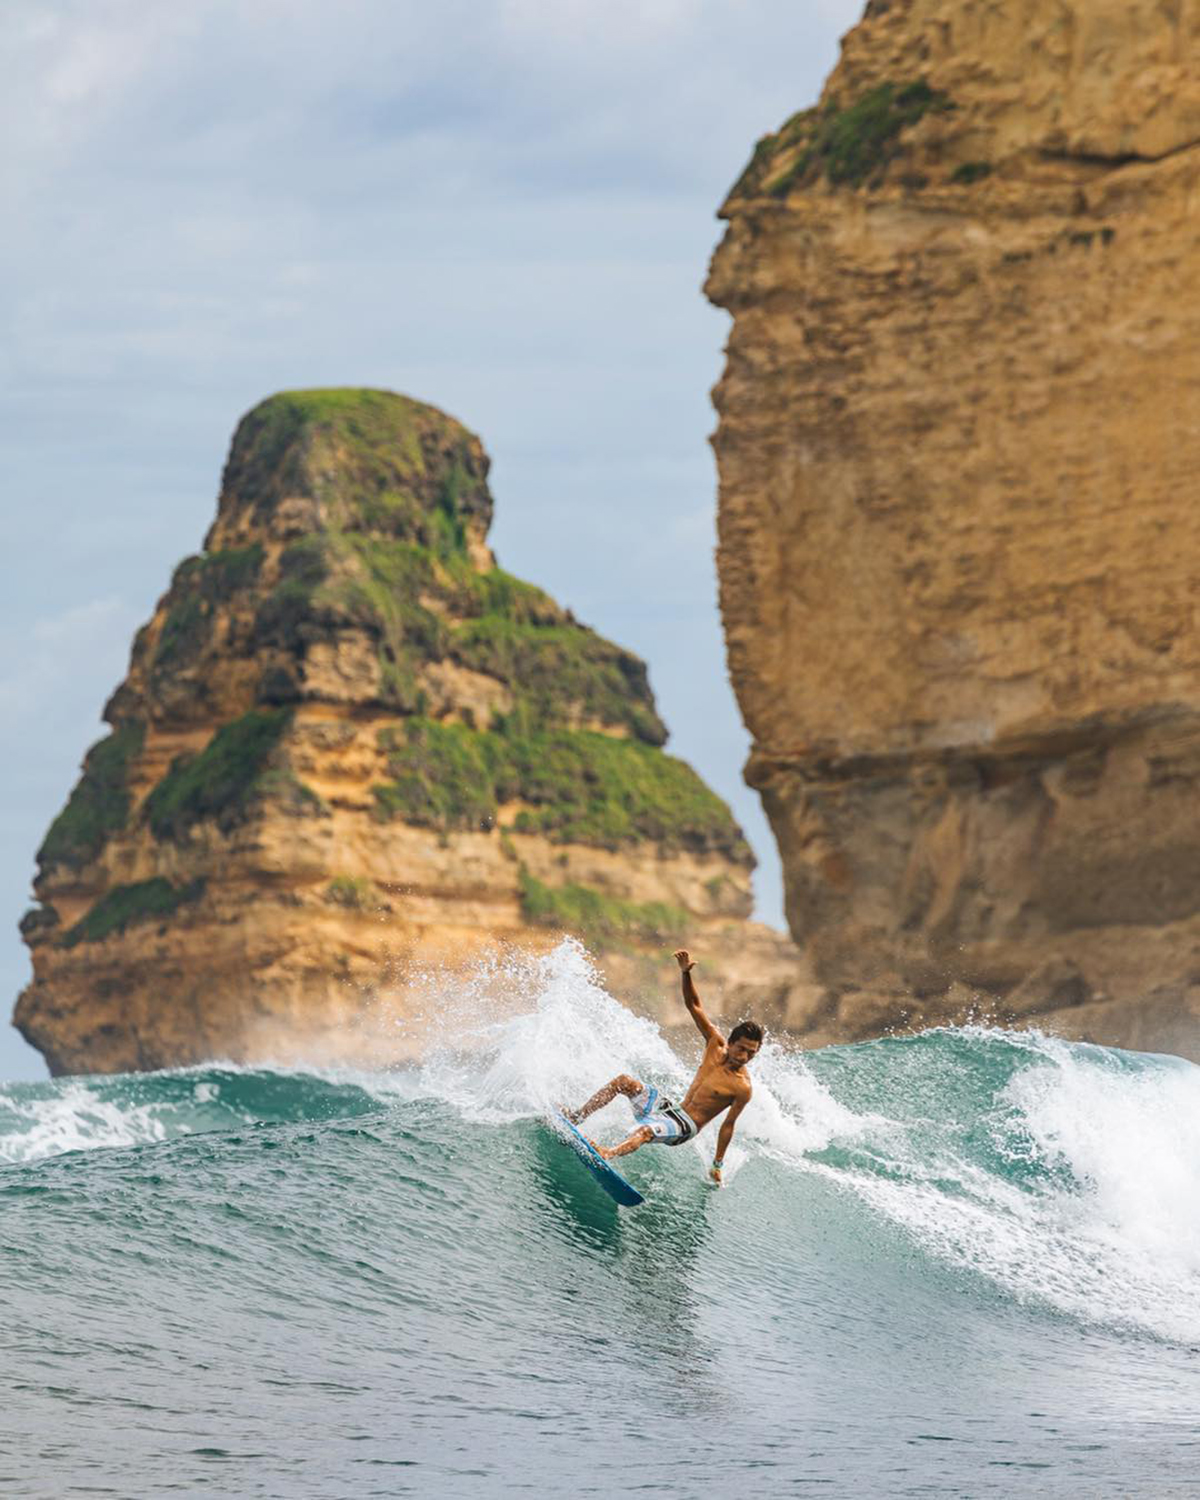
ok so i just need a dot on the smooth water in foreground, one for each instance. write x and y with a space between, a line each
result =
965 1263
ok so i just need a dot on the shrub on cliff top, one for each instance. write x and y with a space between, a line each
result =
851 144
577 786
125 905
99 804
847 145
219 781
599 920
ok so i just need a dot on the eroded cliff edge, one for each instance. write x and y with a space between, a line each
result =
959 541
352 759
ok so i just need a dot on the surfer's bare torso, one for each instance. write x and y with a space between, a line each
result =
717 1086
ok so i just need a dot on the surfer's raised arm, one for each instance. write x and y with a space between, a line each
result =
692 1000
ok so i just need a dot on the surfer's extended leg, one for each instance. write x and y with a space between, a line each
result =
623 1083
640 1137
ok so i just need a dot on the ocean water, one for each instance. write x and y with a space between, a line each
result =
960 1264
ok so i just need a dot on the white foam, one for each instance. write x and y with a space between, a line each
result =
94 1113
74 1118
1110 1230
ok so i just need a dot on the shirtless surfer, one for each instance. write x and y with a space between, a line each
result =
720 1083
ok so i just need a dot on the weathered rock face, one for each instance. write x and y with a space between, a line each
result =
352 758
959 540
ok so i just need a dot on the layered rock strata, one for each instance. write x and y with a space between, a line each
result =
959 545
353 759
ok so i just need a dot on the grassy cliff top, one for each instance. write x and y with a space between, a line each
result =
364 460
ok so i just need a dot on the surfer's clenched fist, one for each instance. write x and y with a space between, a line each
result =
720 1084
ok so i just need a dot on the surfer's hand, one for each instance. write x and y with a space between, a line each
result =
684 961
715 1174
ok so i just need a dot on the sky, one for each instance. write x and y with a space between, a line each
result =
503 207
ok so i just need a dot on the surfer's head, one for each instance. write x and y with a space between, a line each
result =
744 1041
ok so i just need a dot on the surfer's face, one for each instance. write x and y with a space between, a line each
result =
742 1051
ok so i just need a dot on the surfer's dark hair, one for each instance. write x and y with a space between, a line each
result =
750 1030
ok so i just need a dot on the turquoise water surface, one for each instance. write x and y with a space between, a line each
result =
964 1263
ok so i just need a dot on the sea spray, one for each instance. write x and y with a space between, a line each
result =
571 1037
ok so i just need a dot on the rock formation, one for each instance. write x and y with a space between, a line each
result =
959 540
352 758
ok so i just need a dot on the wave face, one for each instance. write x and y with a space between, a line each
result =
966 1262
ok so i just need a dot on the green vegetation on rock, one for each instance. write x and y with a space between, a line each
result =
219 575
303 567
968 172
560 672
124 905
442 776
184 631
374 461
600 920
98 806
385 593
577 786
199 586
847 145
354 892
220 780
423 606
288 792
42 918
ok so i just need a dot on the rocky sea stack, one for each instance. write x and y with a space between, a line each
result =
351 749
958 446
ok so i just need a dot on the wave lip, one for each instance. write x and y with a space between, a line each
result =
1066 1174
88 1113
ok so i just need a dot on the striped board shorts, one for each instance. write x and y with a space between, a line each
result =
670 1124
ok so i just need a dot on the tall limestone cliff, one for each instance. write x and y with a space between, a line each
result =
353 757
959 533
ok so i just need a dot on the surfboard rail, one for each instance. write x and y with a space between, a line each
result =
618 1188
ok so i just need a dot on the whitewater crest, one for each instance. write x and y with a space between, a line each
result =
1062 1176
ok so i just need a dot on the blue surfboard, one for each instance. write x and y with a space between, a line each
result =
609 1178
